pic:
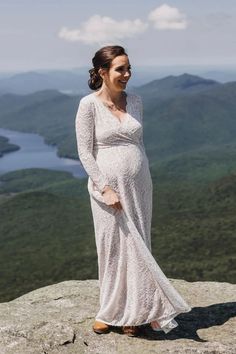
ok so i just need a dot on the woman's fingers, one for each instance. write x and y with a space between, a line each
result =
111 198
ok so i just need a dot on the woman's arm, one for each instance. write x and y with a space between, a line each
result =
140 105
84 128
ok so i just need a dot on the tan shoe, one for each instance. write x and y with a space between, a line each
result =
131 331
100 327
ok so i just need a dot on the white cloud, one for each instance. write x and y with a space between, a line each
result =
98 29
167 17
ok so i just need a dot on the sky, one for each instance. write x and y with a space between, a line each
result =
65 34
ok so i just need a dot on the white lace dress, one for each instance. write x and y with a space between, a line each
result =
133 288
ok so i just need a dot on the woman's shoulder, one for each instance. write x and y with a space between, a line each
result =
87 98
87 102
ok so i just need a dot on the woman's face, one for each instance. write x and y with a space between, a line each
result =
118 75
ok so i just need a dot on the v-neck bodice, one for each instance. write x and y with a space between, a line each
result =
104 131
113 115
109 131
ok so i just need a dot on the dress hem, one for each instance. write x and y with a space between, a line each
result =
169 324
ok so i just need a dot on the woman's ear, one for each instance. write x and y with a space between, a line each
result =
101 72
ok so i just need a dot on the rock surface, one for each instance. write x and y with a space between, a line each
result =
58 319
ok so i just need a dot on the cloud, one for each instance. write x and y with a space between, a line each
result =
167 17
98 29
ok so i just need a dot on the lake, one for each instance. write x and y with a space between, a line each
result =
35 153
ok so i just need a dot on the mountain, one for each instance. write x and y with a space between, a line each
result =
189 122
10 103
49 113
181 114
172 86
32 81
73 81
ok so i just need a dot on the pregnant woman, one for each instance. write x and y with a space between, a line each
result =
109 131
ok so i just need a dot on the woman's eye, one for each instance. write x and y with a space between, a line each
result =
121 69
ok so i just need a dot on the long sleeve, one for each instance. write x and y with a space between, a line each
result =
140 105
84 127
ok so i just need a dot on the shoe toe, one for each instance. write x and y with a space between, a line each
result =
100 327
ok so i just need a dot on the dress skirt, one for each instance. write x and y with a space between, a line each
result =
133 288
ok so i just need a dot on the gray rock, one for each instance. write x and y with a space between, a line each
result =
58 319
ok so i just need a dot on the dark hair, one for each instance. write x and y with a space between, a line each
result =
102 59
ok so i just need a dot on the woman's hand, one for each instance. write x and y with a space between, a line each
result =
111 198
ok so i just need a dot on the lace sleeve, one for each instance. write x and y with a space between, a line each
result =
140 107
84 127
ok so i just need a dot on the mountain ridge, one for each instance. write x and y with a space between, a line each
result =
175 123
174 85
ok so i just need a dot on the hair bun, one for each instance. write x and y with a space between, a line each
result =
92 72
95 80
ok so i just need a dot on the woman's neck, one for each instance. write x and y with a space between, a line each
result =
111 96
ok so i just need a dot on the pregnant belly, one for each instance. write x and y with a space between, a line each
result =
121 161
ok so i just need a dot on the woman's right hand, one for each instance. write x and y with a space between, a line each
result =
111 198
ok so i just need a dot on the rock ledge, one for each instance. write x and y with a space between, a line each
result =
58 319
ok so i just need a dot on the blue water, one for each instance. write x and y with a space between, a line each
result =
34 153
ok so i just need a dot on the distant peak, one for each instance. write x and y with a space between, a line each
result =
182 81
